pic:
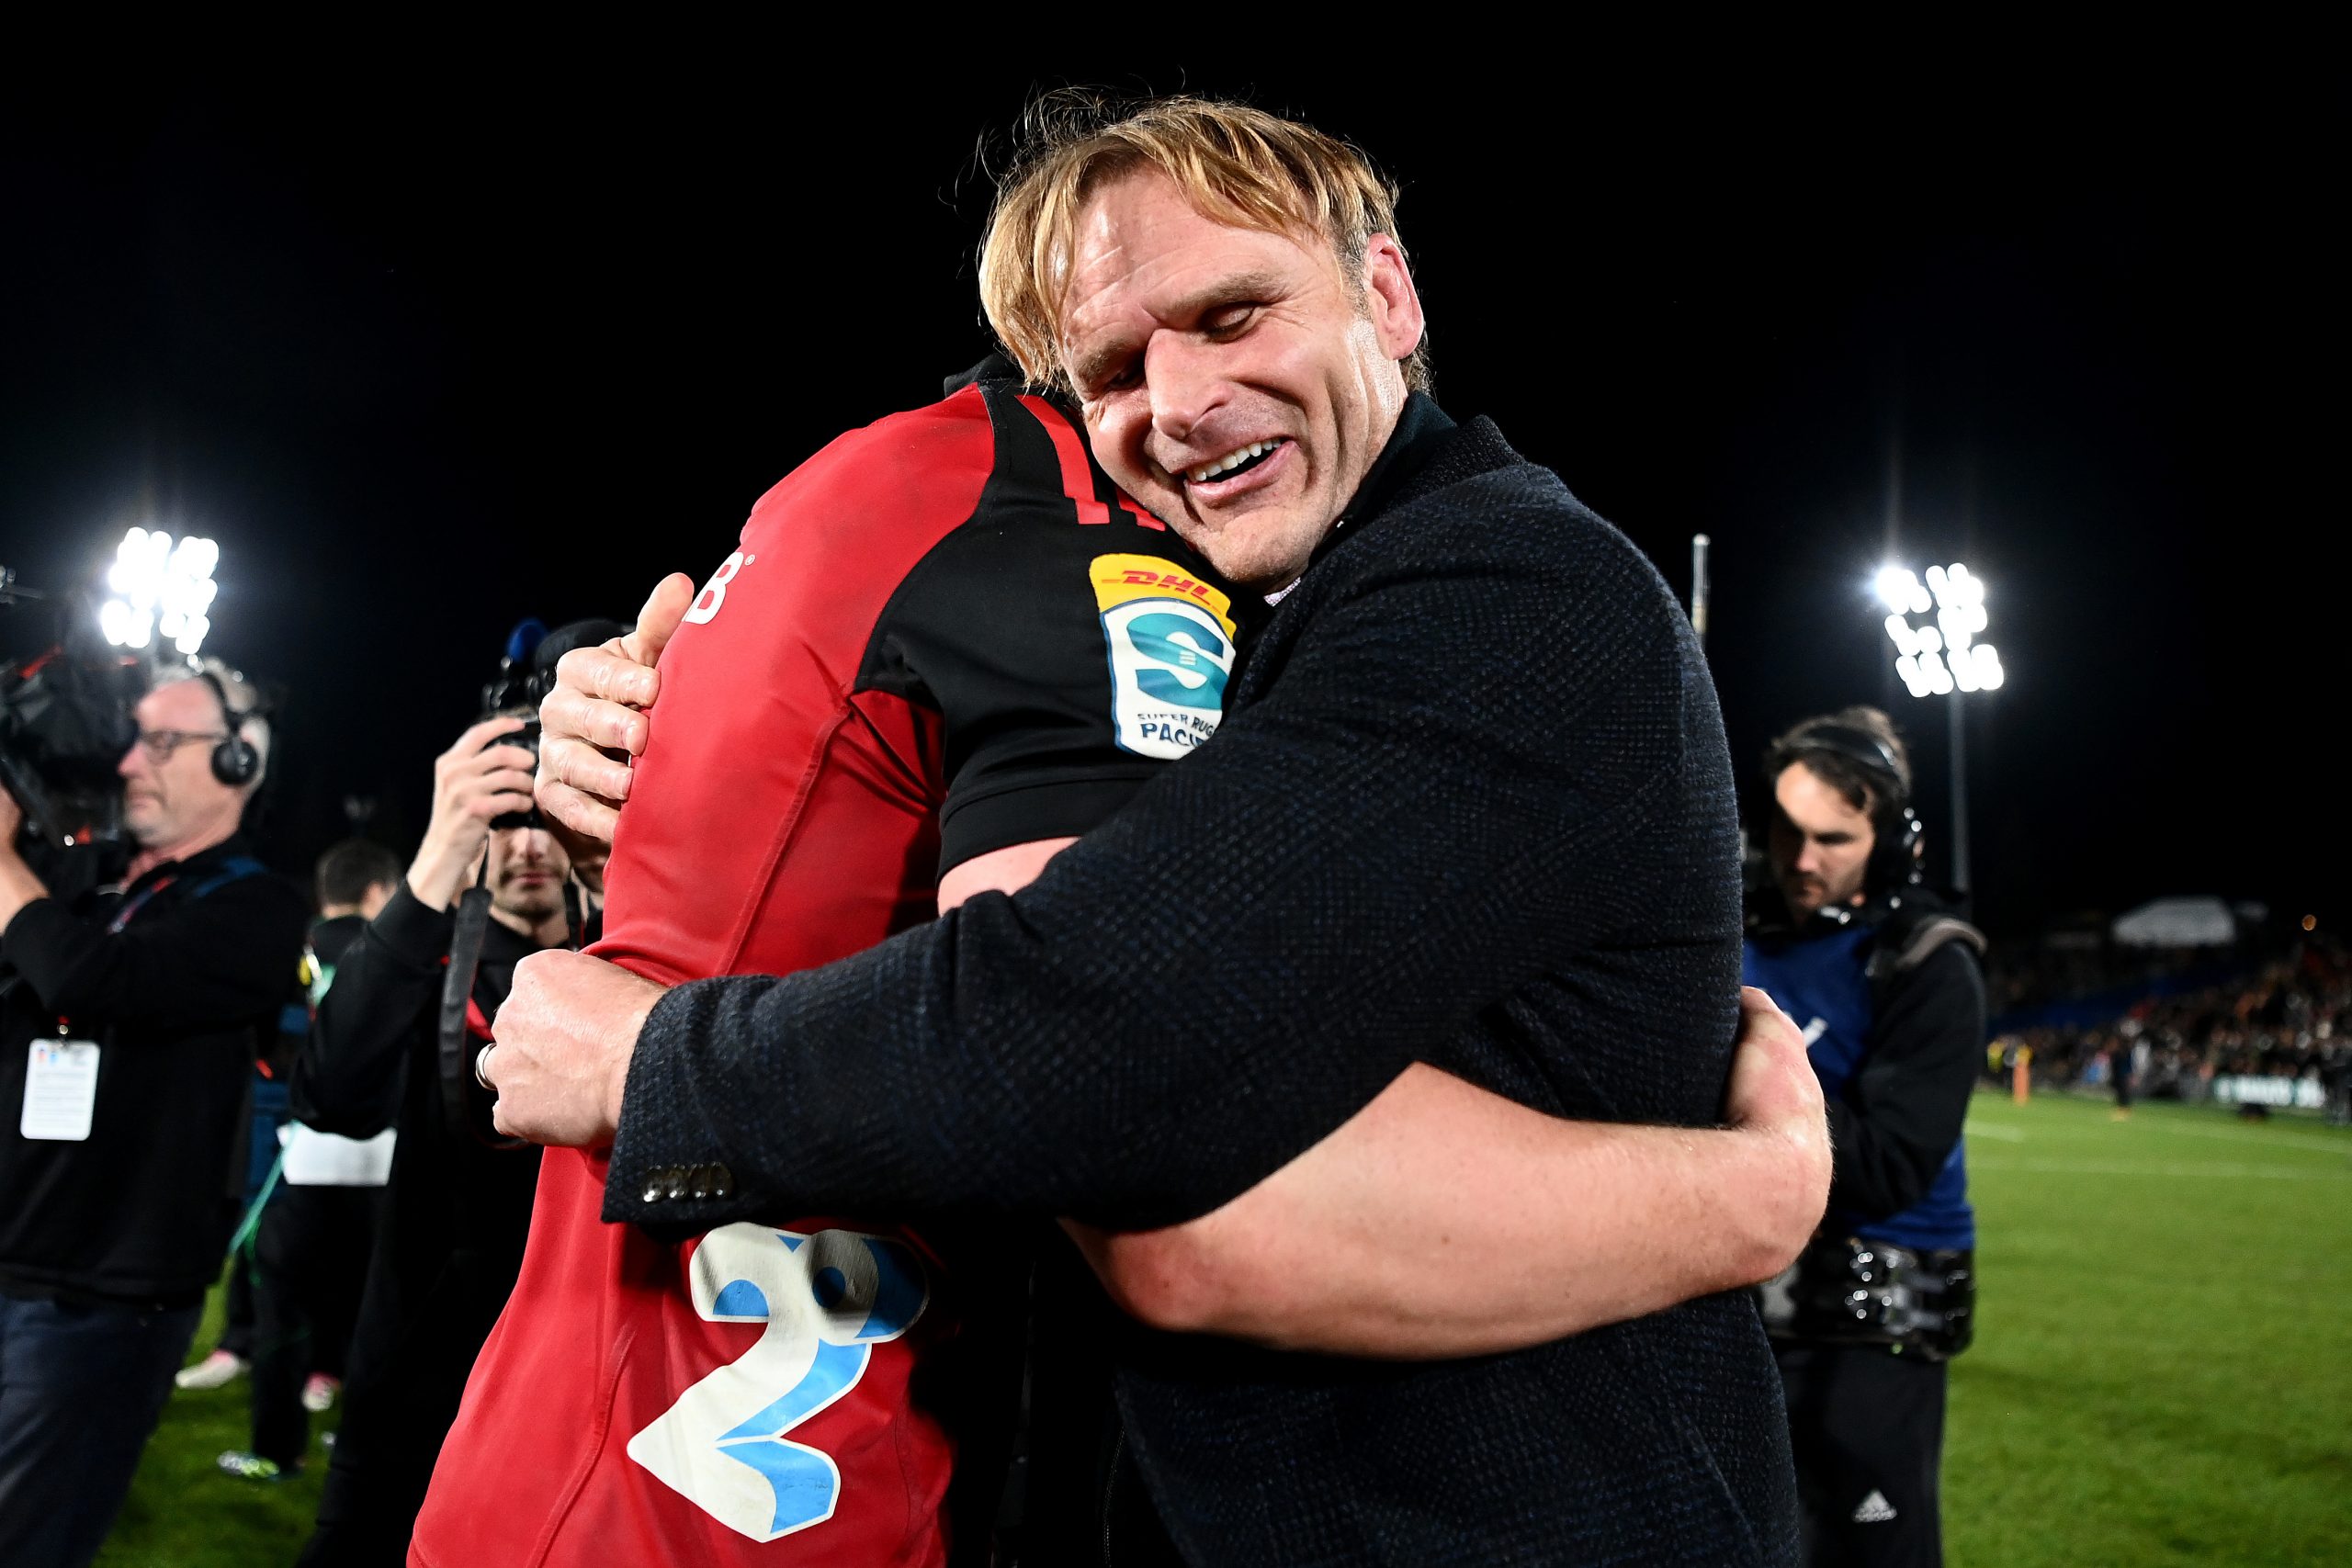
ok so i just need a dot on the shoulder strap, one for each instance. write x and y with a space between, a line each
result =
1902 949
235 869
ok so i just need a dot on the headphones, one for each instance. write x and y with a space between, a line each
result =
1895 826
235 760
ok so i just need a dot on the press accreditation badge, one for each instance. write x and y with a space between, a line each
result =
61 1087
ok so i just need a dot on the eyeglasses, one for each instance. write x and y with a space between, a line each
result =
158 744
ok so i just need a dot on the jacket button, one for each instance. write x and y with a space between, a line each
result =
722 1181
652 1192
674 1183
702 1183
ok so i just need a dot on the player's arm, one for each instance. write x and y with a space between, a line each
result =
1444 1220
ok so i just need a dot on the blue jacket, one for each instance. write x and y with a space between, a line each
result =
1893 1025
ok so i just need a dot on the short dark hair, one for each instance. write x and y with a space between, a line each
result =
349 869
1832 758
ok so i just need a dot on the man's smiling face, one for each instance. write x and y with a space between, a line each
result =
1233 380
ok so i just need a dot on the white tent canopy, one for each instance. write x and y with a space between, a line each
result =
2177 922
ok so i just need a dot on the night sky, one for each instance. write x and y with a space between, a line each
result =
435 349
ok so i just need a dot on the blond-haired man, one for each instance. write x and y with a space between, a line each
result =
1469 809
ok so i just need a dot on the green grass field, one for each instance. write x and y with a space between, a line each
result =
2163 1370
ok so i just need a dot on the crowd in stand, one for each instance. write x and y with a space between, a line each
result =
2289 1017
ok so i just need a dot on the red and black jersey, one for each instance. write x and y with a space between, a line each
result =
945 634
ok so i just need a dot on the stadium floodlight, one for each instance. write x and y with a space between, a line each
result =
161 589
1944 656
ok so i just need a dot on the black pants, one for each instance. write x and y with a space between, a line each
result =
1868 1429
81 1388
237 1311
415 1343
310 1261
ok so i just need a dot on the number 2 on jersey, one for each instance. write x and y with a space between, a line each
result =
826 1301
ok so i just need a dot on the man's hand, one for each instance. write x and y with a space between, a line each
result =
474 781
565 1037
596 719
1776 1097
19 885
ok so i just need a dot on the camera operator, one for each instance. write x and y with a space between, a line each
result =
389 1048
133 1017
1884 979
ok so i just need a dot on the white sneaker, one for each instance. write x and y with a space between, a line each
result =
318 1394
212 1371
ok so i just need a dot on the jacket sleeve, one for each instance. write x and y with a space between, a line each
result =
1413 821
202 963
1896 1124
348 1075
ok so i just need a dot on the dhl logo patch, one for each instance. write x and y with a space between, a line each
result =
1123 578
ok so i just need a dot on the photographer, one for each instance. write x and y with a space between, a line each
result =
1884 979
381 1054
131 1017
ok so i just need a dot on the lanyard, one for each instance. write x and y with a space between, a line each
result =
132 906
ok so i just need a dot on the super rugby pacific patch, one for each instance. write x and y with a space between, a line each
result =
1170 642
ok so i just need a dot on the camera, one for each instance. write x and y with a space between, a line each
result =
64 725
526 676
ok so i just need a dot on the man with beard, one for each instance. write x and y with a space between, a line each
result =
1852 939
458 1200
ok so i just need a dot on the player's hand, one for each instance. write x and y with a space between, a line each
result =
1775 1098
473 781
12 821
565 1036
598 718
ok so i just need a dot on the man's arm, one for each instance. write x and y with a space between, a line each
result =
347 1077
223 959
1443 1220
18 884
1524 1228
1892 1130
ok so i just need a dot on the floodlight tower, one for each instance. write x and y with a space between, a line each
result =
1944 657
160 590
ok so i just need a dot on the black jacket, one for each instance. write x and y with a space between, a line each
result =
1470 804
180 1001
457 1206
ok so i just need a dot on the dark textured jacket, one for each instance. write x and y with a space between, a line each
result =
1470 805
180 1001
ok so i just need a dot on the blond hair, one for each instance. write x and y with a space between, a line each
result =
1236 164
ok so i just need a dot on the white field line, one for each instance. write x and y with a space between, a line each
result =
1998 1166
2000 1130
